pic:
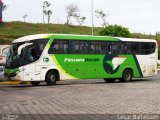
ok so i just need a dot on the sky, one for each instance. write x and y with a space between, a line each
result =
140 16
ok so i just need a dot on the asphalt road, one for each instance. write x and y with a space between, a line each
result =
89 99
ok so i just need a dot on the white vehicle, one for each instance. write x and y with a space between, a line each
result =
53 57
3 53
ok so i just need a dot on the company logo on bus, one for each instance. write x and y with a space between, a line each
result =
46 59
112 62
81 60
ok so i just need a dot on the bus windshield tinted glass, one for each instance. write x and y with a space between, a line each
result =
13 59
31 52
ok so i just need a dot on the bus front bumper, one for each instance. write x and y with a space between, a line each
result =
12 77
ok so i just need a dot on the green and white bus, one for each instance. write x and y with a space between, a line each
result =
54 57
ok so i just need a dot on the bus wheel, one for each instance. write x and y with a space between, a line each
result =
51 78
127 75
35 83
111 80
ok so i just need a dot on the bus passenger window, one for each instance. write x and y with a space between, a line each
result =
132 48
29 55
98 48
39 47
116 47
59 47
79 47
147 48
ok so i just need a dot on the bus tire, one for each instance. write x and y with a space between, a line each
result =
127 75
110 80
51 78
35 83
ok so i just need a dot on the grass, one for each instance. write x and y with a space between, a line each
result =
12 30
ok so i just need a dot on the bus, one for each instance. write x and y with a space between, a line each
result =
54 57
3 53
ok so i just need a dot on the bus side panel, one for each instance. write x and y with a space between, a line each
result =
148 64
114 68
73 66
81 66
97 66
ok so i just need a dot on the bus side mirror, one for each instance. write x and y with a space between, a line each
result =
23 46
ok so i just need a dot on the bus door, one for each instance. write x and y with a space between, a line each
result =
29 67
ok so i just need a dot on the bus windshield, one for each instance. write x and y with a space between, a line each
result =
13 59
29 53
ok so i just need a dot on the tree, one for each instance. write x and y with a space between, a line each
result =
24 17
71 10
115 30
46 11
80 19
103 16
4 7
48 14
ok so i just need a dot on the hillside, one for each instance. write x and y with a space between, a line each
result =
12 30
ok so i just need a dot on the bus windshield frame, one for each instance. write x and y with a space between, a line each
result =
29 54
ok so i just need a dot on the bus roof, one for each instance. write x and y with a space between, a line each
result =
79 37
31 37
136 39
